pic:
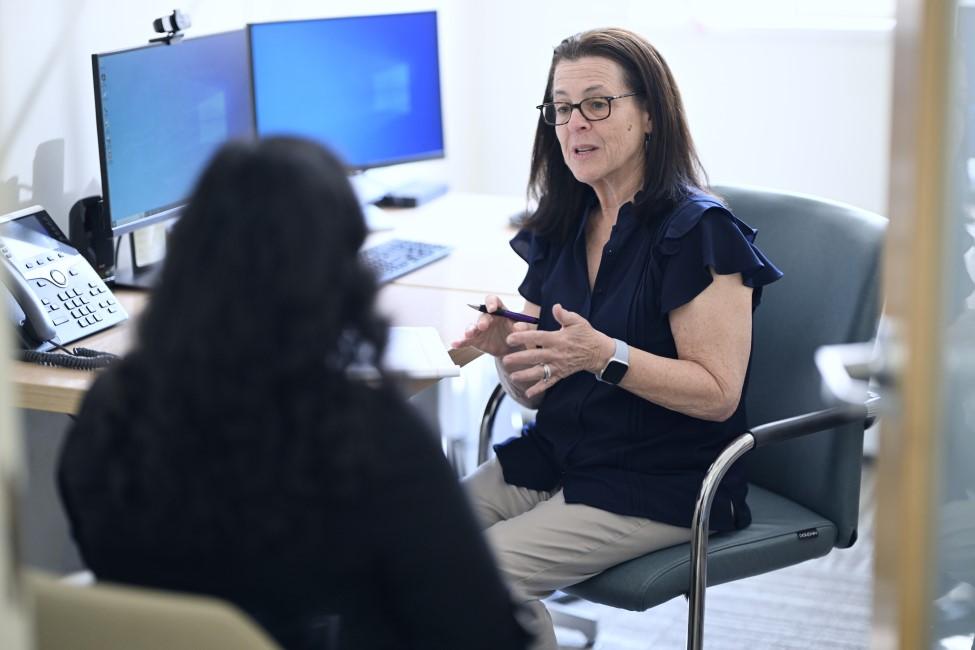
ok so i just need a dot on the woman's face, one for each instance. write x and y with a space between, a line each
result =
606 154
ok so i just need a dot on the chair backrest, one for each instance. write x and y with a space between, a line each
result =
113 617
830 254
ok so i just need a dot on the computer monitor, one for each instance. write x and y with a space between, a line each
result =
162 111
368 87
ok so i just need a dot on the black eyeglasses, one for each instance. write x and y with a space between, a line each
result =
592 108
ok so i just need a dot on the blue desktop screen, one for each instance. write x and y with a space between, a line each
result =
163 110
368 87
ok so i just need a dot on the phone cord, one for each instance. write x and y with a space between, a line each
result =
77 359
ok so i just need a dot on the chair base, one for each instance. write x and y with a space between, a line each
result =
586 626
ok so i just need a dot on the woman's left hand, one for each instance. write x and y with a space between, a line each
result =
555 355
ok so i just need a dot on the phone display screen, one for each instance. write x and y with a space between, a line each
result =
26 240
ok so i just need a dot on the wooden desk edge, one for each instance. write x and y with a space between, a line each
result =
58 398
45 395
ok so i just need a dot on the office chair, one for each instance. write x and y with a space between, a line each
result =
116 617
803 493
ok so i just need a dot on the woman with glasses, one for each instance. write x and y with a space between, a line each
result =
644 286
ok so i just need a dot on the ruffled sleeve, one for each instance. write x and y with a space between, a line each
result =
701 237
534 249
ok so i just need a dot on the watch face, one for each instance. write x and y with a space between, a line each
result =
614 372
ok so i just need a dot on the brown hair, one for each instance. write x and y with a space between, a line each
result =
672 168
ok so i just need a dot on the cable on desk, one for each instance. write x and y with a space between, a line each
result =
77 359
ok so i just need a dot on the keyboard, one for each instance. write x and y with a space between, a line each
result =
397 257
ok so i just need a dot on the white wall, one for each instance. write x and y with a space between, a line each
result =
800 109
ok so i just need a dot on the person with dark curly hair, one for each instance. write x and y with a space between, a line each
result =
644 284
229 454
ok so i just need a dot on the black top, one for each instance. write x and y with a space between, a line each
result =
403 563
607 447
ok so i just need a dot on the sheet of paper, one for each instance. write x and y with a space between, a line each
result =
413 352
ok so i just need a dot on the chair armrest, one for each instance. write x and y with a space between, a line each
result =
760 436
801 425
487 422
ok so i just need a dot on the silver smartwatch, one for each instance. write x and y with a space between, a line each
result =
618 364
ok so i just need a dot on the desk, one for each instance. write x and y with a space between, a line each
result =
481 263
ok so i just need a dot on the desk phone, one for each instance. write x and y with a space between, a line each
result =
55 296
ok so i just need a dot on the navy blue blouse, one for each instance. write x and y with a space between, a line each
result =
605 446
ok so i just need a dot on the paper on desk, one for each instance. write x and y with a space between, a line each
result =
415 353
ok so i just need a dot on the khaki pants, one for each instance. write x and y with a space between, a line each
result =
541 543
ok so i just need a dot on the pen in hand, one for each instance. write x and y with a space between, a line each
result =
512 315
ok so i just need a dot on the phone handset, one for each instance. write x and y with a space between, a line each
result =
37 323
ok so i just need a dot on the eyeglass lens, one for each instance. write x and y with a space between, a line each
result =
594 108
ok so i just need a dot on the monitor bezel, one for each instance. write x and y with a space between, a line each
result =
351 168
175 209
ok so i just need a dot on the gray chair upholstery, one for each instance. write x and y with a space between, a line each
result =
830 254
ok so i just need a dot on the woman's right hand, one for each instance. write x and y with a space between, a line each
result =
488 333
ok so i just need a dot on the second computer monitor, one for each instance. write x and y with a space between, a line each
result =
162 111
368 87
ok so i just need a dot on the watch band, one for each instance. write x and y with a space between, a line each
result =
618 364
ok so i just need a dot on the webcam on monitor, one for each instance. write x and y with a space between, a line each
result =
172 25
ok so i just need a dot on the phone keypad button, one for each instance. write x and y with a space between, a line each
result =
60 321
64 295
112 310
83 323
73 271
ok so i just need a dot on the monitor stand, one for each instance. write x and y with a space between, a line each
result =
147 248
413 194
143 278
369 191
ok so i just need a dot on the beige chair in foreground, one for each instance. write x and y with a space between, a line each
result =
115 617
